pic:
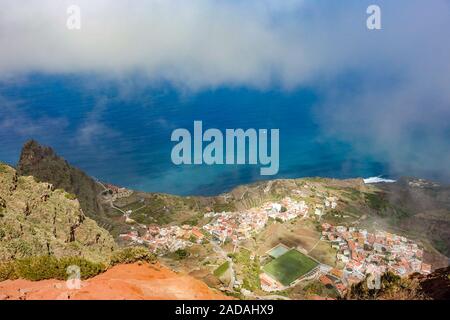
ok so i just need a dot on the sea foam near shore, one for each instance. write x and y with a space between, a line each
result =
372 180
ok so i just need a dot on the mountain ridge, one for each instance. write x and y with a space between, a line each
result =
38 219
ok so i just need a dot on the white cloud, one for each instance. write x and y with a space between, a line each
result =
208 43
193 43
404 69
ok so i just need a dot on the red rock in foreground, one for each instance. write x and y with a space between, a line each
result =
123 282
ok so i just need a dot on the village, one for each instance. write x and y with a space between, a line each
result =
163 240
241 225
365 253
232 226
358 252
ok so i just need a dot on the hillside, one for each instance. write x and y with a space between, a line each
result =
426 209
36 219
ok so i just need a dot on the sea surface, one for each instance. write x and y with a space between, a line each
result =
119 132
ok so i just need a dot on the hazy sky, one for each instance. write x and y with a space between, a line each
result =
399 99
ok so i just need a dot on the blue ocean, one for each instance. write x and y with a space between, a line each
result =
120 132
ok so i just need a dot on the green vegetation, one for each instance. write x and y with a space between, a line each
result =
238 295
376 201
70 196
20 247
2 168
220 207
48 267
353 194
133 206
250 269
221 269
290 266
180 254
193 221
392 287
317 288
158 209
440 245
149 216
132 255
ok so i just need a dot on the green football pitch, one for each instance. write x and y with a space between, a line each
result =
290 266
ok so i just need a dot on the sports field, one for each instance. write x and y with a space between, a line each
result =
277 251
290 266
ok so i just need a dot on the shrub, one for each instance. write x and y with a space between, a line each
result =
192 221
70 196
48 267
132 255
181 254
7 271
21 248
220 207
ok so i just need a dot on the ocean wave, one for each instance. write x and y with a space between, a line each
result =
378 180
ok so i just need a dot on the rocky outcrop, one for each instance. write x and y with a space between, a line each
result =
124 282
45 166
435 286
37 219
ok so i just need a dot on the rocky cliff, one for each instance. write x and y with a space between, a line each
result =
45 165
38 219
435 286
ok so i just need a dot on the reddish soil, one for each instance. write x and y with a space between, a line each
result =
123 282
